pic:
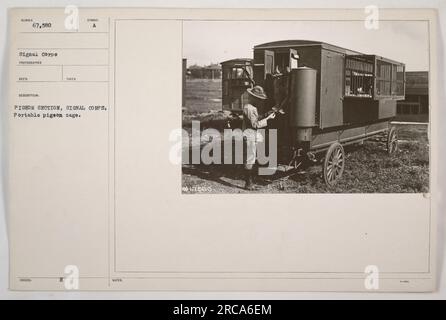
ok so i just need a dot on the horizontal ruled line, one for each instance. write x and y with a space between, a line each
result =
64 81
62 48
62 65
73 32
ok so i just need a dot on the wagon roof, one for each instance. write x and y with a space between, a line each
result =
327 46
303 43
237 60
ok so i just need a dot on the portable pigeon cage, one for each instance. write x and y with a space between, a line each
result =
331 97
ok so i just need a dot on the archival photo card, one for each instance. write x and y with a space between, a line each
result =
305 106
222 150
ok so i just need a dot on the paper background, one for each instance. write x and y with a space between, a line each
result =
193 294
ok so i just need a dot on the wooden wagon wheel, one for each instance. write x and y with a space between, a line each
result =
392 141
334 164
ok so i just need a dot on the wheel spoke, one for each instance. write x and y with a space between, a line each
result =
392 141
334 164
336 173
338 153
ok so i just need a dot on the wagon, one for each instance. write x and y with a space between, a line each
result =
331 97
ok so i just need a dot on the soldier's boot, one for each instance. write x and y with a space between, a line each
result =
249 180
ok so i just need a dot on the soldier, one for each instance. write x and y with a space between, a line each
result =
252 122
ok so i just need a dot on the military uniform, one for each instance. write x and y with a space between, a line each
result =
251 123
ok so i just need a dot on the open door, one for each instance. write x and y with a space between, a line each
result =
269 63
263 65
268 78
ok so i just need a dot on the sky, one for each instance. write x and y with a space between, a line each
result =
206 42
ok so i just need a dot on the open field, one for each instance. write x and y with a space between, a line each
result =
203 95
368 167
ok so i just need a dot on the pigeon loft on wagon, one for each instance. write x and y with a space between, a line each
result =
331 96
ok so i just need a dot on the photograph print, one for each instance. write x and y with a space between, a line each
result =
305 107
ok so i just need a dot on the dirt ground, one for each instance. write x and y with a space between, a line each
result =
368 167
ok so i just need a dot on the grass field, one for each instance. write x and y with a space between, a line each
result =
203 95
368 167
